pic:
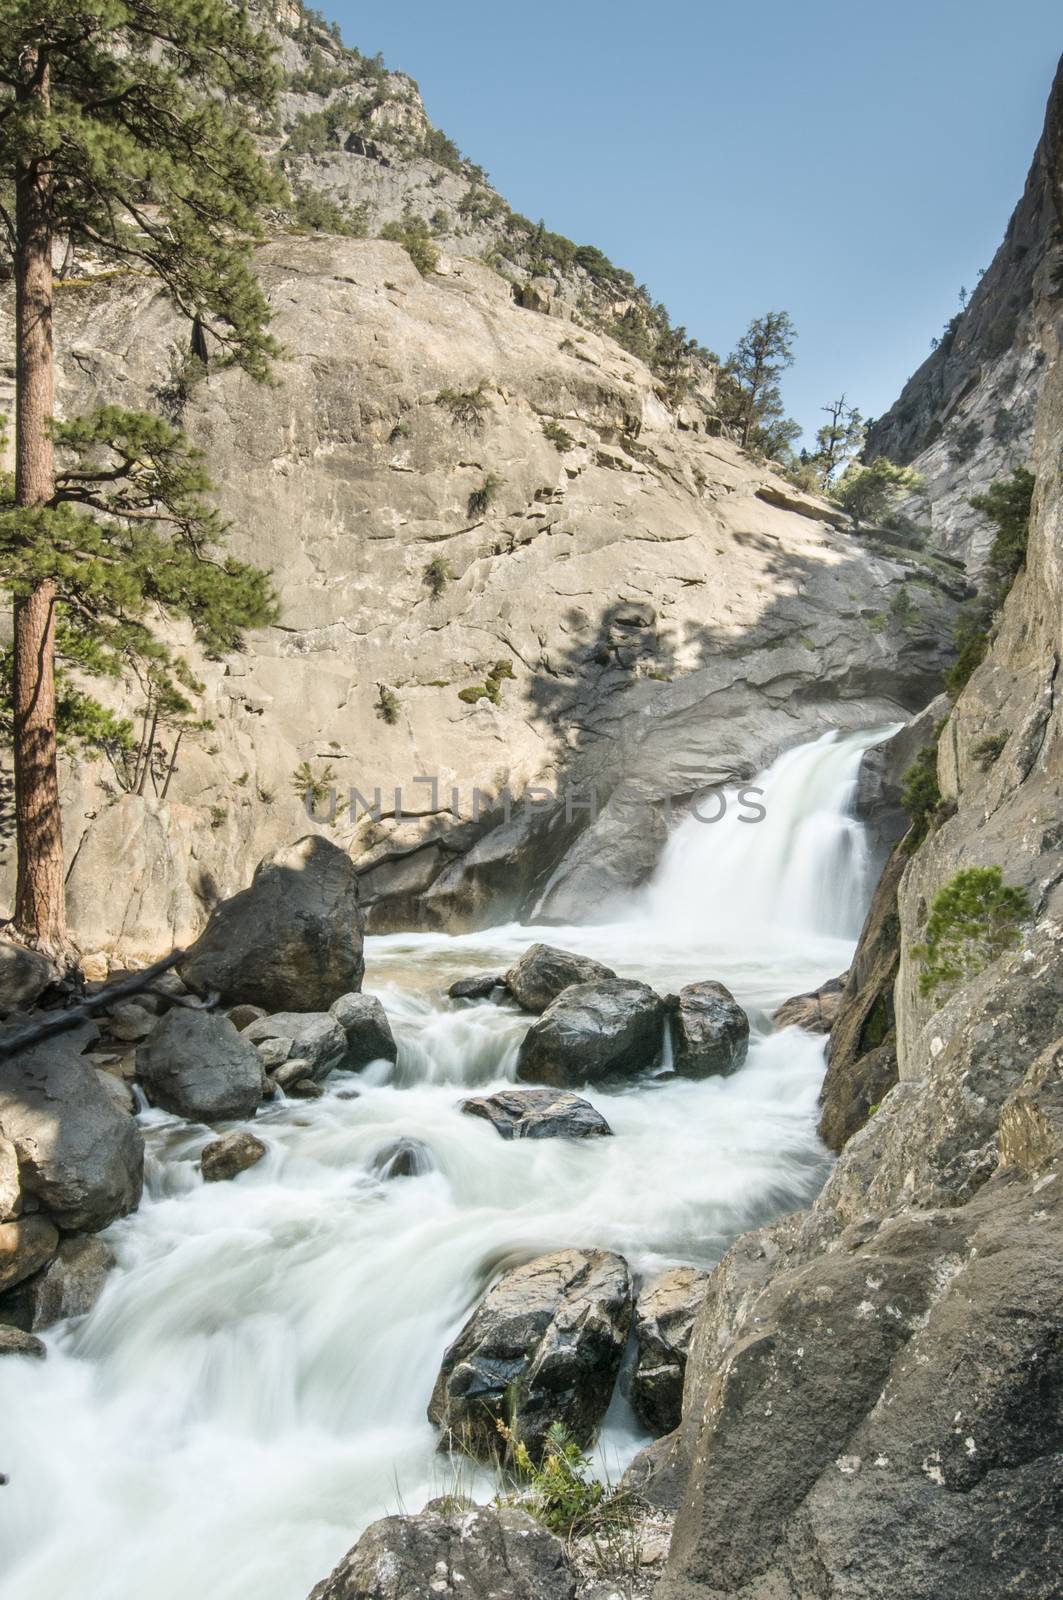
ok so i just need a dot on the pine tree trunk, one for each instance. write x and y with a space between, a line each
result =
40 901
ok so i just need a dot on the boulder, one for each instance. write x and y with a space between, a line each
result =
119 1091
476 1554
538 1114
593 1031
313 1036
543 1346
10 1187
710 1031
273 1053
404 1158
68 1286
815 1011
664 1321
291 941
369 1036
24 976
79 1155
242 1017
233 1153
25 1247
482 987
196 1065
304 1089
130 1021
543 972
13 1342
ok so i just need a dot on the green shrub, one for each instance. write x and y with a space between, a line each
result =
310 787
988 750
972 641
974 919
388 704
318 212
491 688
869 494
436 576
921 794
964 446
558 436
466 406
1007 503
415 236
481 498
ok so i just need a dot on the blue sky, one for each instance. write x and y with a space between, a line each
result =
853 164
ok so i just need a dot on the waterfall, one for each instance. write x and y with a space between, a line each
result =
250 1390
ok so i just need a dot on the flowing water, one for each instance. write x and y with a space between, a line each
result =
250 1391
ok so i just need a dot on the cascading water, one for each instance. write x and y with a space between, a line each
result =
250 1390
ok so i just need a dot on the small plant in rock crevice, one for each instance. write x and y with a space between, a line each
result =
921 793
388 704
481 499
558 436
989 750
974 919
491 688
313 788
436 576
466 406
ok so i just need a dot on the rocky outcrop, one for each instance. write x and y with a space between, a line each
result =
500 1555
291 941
196 1065
543 972
69 1286
815 1011
366 1028
230 1155
538 1114
591 1032
664 1322
710 1031
79 1156
543 1346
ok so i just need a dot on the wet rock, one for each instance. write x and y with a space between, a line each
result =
196 1065
68 1286
13 1342
538 1114
368 1031
224 1158
475 1554
315 1037
405 1158
24 976
664 1321
593 1031
710 1031
482 987
304 1089
543 1346
290 1070
543 972
25 1247
129 1021
79 1155
291 941
242 1017
815 1011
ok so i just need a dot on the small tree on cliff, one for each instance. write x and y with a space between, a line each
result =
838 442
750 392
123 130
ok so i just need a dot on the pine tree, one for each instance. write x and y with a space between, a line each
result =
750 392
838 442
124 132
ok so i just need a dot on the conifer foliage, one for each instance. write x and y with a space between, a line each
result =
125 137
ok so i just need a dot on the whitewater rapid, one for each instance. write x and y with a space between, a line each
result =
250 1390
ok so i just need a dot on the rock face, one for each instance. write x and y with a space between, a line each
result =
543 972
314 1037
815 1011
873 1386
538 1114
79 1155
710 1031
292 941
664 1321
227 1157
68 1286
25 1246
196 1065
591 1032
543 1346
499 1555
367 1029
24 976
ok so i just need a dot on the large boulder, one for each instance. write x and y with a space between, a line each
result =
664 1321
291 941
543 972
68 1286
24 976
710 1031
196 1065
474 1554
230 1155
314 1037
369 1036
538 1114
79 1155
593 1031
25 1247
543 1346
816 1011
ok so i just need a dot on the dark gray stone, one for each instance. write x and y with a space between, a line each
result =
664 1321
710 1031
13 1342
230 1155
196 1065
543 972
368 1031
68 1286
593 1031
405 1158
482 987
24 976
314 1037
538 1114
